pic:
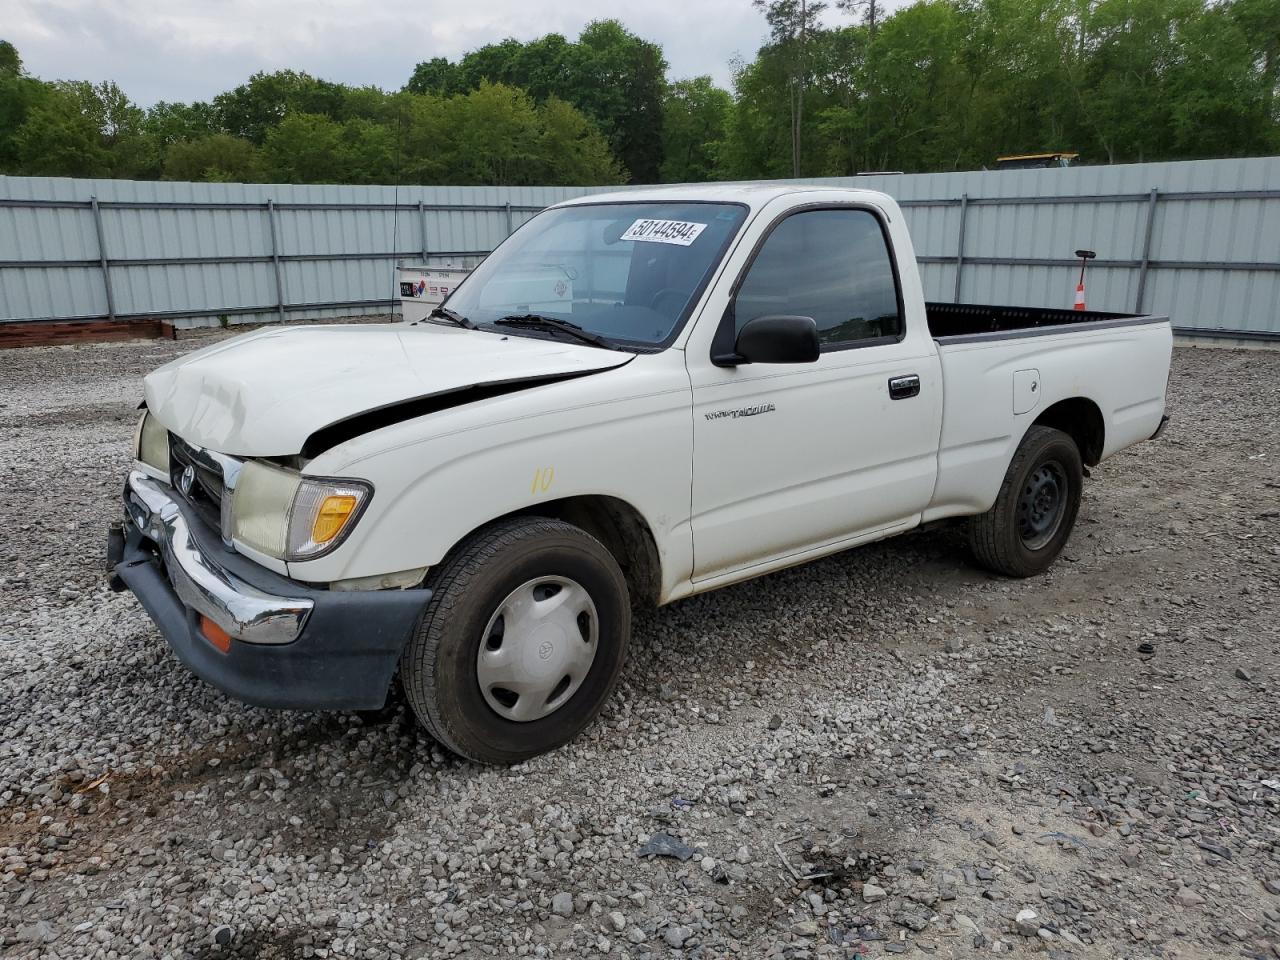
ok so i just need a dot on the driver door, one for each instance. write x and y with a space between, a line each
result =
791 458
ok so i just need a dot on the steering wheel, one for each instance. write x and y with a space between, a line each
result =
669 292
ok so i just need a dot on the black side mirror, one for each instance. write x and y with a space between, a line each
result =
774 340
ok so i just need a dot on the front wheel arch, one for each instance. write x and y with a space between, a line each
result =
623 530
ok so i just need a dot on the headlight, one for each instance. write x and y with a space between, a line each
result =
151 443
290 517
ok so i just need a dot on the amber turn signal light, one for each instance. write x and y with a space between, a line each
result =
215 634
332 517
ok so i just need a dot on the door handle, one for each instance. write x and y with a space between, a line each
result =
905 386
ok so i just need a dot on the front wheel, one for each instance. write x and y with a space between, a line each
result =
522 642
1035 511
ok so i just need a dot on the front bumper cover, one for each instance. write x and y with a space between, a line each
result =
292 645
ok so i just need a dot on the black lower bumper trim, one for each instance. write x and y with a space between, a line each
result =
115 554
343 659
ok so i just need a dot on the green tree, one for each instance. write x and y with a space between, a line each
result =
218 157
610 74
304 148
113 113
871 11
917 95
167 122
79 129
370 152
571 148
792 23
622 88
252 109
1259 21
1133 51
58 138
10 62
695 116
952 84
310 148
143 155
425 136
120 122
1216 93
437 75
18 95
1024 64
367 103
494 135
937 85
759 141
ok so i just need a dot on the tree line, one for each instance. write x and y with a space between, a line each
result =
937 85
952 84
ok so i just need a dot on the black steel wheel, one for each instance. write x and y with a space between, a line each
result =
1035 510
1042 504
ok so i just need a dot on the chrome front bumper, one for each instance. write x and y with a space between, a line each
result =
201 583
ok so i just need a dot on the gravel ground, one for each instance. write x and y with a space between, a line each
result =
884 752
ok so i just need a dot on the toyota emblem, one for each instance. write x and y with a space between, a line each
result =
187 478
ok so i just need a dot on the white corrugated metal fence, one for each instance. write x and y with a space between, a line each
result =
1198 240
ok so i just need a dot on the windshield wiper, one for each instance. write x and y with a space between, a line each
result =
452 316
537 321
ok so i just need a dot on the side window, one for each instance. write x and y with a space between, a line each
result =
832 265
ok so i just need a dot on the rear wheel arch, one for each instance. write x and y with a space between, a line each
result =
1081 419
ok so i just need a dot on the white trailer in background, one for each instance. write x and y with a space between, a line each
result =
421 288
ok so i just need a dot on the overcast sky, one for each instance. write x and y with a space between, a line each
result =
193 49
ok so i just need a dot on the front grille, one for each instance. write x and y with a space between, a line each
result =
207 487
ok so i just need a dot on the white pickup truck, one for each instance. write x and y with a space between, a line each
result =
637 397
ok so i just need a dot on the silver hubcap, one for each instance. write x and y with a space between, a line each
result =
537 649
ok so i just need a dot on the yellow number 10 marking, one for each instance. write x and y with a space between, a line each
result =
542 478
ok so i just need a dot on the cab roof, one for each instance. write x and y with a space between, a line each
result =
753 194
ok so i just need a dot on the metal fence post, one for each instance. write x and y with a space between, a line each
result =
102 258
964 211
422 225
1146 249
275 258
508 206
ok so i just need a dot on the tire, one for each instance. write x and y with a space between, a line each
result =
504 573
1035 511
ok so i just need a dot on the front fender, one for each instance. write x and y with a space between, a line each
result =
626 435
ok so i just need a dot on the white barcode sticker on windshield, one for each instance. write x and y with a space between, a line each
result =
664 231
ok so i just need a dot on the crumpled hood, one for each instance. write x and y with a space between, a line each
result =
265 393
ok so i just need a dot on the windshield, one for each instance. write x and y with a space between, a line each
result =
627 272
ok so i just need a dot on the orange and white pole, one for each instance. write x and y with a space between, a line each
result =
1085 256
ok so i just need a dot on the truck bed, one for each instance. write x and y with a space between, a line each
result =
1003 368
948 321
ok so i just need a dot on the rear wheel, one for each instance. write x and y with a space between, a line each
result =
522 643
1035 511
